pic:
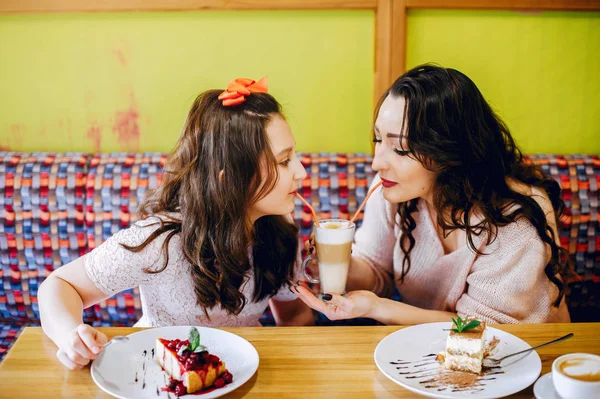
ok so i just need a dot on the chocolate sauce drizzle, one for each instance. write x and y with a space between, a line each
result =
145 358
442 379
144 368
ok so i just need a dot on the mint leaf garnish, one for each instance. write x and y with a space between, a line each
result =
472 324
461 326
194 339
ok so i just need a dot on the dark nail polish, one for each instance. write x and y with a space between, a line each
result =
326 297
291 290
311 250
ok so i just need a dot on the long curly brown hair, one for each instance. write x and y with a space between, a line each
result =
452 131
212 210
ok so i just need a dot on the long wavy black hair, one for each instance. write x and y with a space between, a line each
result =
213 222
452 131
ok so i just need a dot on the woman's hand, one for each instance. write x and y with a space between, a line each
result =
367 304
311 271
83 344
309 245
354 304
62 297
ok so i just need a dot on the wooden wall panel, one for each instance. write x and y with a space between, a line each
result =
390 17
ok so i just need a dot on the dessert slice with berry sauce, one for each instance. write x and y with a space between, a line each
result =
190 366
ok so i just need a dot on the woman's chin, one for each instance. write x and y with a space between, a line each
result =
284 209
395 197
289 209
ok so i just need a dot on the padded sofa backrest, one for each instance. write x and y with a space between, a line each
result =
56 207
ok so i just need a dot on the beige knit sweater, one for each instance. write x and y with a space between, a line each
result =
505 285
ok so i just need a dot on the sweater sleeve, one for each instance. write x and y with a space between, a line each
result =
374 241
507 284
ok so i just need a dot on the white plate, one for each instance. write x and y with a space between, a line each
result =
413 344
118 367
544 388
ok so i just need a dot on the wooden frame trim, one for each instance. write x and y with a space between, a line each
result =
390 17
383 48
68 6
541 5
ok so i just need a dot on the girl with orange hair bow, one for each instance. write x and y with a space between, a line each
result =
215 245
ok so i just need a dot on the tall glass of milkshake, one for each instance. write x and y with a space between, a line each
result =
333 239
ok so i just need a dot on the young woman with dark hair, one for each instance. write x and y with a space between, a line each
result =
463 224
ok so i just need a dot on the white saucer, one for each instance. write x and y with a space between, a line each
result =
544 388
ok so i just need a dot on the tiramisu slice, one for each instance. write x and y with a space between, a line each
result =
465 346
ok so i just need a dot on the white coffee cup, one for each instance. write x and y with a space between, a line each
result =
577 376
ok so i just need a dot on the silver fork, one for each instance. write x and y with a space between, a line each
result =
118 338
497 361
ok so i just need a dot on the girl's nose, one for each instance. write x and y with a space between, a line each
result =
300 172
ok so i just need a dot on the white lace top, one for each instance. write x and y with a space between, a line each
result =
167 297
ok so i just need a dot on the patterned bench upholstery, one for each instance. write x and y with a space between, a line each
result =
57 207
579 178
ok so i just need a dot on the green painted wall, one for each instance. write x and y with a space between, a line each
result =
540 71
124 82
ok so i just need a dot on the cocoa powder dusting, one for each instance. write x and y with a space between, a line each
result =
441 378
456 379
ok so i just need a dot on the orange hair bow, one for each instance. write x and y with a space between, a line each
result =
239 89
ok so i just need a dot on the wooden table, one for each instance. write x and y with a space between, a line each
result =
295 362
